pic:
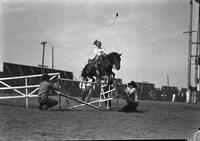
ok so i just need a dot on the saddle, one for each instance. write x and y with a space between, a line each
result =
98 63
96 60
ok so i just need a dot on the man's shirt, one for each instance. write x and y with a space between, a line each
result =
131 92
44 89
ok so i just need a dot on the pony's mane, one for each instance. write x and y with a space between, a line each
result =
112 53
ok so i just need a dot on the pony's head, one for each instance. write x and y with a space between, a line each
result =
115 58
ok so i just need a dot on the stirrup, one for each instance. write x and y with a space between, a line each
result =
98 73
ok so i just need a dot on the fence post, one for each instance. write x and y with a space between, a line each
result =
117 99
59 97
26 84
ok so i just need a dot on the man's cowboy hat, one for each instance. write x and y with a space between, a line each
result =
132 83
45 77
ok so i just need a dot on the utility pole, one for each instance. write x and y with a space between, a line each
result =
189 55
52 57
198 47
197 57
197 95
167 90
43 43
191 97
168 80
196 64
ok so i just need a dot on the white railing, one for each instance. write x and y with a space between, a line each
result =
104 98
25 95
102 94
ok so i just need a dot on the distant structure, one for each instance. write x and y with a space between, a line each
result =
11 69
145 90
167 92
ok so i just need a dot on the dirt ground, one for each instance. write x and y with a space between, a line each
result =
154 120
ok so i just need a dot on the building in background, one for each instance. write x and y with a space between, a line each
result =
146 90
167 92
181 97
11 69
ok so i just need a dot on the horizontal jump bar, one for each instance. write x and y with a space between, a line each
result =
83 104
107 92
27 76
80 81
11 97
19 87
80 101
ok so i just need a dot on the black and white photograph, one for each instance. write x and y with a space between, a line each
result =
99 70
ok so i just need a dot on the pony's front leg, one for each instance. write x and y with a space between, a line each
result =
111 78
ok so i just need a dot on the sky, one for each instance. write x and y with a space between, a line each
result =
148 33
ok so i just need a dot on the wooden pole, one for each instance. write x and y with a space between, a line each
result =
43 53
168 80
189 54
198 46
196 65
117 99
26 84
52 57
59 97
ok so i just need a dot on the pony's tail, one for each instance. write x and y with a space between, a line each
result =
83 74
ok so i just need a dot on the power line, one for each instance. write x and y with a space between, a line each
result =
74 59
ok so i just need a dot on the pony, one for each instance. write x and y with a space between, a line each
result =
105 65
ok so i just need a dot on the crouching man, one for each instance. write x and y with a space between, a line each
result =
44 93
131 97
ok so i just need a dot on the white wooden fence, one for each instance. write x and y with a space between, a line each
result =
18 93
30 94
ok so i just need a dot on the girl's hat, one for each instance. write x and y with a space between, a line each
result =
97 43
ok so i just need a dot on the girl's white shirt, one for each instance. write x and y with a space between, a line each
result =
98 51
